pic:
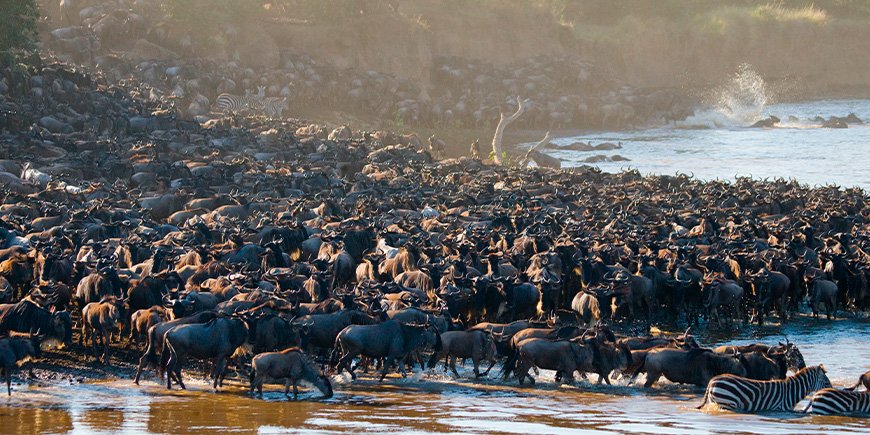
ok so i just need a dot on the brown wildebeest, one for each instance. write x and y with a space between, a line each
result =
862 380
100 320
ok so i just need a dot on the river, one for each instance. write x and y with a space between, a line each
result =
433 402
715 143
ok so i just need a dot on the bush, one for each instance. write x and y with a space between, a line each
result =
17 28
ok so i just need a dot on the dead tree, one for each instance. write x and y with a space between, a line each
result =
499 129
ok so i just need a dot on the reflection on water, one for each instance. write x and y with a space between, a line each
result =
438 403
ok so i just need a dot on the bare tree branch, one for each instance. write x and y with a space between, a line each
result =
499 129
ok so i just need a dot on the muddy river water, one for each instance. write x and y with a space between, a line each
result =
433 402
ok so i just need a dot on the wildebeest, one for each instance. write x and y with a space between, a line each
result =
563 356
695 366
100 320
154 347
477 345
862 380
27 316
215 340
289 365
13 350
142 320
391 340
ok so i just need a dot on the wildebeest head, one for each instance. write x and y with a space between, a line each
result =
62 327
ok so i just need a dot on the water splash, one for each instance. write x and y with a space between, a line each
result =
737 103
744 97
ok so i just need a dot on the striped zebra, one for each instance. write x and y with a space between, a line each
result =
238 103
273 107
832 401
737 393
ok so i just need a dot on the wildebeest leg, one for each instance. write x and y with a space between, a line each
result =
7 372
453 366
476 362
403 364
287 388
219 368
603 377
651 378
491 365
295 389
106 348
345 363
387 363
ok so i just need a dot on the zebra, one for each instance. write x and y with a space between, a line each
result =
832 401
737 393
273 107
238 103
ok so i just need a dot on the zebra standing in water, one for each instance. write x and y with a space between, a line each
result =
832 401
736 393
238 103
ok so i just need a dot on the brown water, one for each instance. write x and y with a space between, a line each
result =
433 402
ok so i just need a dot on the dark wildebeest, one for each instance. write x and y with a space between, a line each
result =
391 340
794 359
155 340
289 365
477 345
273 332
823 291
764 366
14 350
563 356
695 366
216 340
26 316
324 328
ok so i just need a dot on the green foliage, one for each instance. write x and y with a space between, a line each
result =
17 28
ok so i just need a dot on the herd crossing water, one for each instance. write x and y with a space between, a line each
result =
434 402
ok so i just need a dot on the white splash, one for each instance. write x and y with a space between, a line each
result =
737 103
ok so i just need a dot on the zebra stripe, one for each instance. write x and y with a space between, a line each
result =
237 103
832 401
274 107
741 394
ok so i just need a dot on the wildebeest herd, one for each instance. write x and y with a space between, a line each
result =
340 251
